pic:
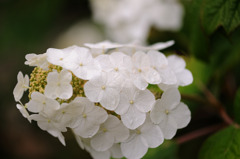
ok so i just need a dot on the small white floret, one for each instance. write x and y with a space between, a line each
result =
22 85
110 132
169 113
58 85
37 60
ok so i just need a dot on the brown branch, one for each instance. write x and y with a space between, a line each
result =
198 133
195 98
213 101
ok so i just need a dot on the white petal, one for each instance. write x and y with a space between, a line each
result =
103 45
105 63
86 129
116 151
36 104
96 115
133 118
21 86
99 155
65 76
65 91
176 63
124 104
184 77
23 111
168 76
79 140
61 139
18 92
152 76
87 72
157 59
158 112
144 100
139 82
181 115
102 141
20 76
110 98
162 45
140 59
115 127
41 103
56 56
170 98
168 127
134 149
152 134
93 89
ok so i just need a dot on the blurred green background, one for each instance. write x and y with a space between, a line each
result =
208 40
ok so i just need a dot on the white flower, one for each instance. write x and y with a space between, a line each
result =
69 113
116 62
58 56
183 76
143 73
169 113
81 63
110 132
146 136
159 62
23 111
58 85
52 127
41 103
133 106
22 85
37 60
89 119
104 89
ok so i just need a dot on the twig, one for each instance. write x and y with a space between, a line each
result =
195 98
198 133
216 103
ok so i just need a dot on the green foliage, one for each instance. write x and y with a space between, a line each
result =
225 13
168 150
198 42
201 73
237 106
225 144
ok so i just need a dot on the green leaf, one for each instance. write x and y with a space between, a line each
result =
225 52
168 150
225 13
237 106
225 144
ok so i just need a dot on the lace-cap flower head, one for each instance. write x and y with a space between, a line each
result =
104 98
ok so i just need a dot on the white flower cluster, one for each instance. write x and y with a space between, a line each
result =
104 98
128 20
